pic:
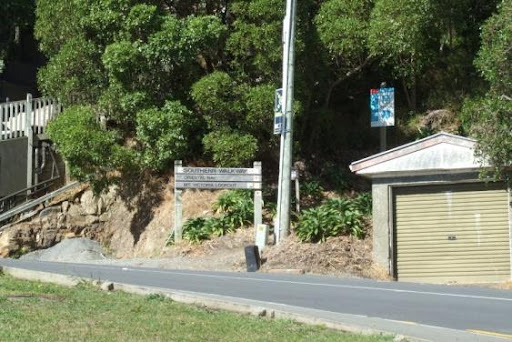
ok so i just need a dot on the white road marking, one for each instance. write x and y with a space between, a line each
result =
355 287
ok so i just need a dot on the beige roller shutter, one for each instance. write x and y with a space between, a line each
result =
456 233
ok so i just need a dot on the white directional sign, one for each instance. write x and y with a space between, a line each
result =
217 178
218 185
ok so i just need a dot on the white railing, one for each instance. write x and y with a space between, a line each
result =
13 116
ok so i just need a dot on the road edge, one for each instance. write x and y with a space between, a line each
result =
341 322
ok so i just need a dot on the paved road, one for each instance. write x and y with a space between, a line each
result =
462 308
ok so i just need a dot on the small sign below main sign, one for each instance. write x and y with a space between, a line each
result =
382 104
218 185
278 111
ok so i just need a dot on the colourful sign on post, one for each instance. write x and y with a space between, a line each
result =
382 104
278 111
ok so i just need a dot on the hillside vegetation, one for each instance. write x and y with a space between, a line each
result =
194 79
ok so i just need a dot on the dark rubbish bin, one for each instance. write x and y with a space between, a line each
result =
252 258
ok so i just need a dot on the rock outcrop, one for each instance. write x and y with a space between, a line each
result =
133 227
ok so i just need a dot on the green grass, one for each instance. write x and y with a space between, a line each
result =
32 311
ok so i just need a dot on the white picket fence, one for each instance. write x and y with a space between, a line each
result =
14 120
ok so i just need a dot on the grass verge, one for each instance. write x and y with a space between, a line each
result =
33 311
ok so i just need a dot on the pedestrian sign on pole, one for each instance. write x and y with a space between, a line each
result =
382 103
278 111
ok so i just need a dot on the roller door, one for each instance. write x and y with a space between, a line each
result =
454 233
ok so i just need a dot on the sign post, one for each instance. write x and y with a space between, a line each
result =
178 207
282 223
382 104
278 111
215 178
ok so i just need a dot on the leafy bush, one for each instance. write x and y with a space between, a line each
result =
216 98
74 75
237 207
193 230
164 133
311 193
335 217
92 153
215 226
363 203
230 148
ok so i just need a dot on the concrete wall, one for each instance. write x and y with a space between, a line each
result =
383 211
13 165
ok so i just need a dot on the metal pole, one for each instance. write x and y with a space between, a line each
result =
383 132
383 136
285 163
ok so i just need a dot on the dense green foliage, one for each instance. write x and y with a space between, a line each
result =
195 79
489 118
338 216
93 154
236 209
163 134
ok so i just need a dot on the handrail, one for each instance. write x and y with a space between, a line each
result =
25 206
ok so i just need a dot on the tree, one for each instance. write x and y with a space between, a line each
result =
15 15
403 33
343 28
132 62
489 118
206 71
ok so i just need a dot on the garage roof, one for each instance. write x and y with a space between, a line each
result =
438 153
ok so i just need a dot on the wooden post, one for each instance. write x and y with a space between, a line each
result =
30 146
258 200
178 206
297 191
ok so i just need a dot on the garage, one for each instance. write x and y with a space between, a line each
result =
452 233
435 220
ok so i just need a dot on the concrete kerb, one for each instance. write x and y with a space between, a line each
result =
237 305
210 301
45 277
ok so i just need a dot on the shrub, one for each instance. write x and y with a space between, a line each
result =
335 217
92 153
311 193
193 230
164 134
237 207
363 202
230 148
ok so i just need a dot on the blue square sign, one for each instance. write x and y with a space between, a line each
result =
382 104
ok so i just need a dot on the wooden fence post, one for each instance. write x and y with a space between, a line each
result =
178 206
258 201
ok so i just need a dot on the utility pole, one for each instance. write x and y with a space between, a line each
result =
285 161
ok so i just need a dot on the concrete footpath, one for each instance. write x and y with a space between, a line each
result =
402 330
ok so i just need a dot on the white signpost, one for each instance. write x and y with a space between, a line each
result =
215 178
